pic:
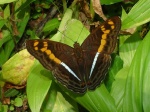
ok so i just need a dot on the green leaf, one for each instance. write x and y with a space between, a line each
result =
108 2
38 85
138 15
24 5
14 71
7 12
6 37
118 87
59 35
51 25
98 100
11 108
128 47
18 102
116 65
6 1
11 93
2 23
75 32
64 104
3 108
137 95
5 51
56 101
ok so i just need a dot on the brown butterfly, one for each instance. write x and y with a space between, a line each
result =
83 67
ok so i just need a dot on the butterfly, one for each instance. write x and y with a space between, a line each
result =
81 67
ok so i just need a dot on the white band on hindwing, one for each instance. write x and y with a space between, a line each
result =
69 70
94 62
92 68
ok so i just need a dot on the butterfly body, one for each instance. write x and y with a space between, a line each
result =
83 67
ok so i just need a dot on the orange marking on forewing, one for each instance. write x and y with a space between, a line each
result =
52 57
106 31
100 48
102 27
43 49
112 27
57 60
104 36
45 44
103 42
110 22
35 43
48 52
36 48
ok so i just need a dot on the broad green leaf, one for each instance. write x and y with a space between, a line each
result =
98 100
118 87
128 48
75 32
138 15
64 104
59 35
137 90
16 69
116 65
49 102
38 85
56 100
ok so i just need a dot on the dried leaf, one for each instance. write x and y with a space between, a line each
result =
98 9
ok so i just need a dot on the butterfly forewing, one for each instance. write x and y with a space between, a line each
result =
106 32
51 54
103 41
83 67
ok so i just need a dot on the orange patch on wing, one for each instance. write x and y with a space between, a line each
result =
104 36
48 52
106 31
100 48
36 48
43 49
35 43
110 22
52 57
